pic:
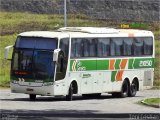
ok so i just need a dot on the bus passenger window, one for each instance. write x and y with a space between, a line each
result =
83 48
127 46
116 47
148 46
73 48
92 48
138 46
76 48
86 48
103 47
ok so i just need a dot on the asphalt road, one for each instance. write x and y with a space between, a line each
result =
17 106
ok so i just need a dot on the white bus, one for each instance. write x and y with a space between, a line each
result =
82 60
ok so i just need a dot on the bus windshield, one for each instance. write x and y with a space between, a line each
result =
32 58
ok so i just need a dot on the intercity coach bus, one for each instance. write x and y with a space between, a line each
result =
82 60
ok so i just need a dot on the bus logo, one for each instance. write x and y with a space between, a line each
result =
77 66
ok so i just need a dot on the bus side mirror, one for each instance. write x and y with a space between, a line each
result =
6 51
55 54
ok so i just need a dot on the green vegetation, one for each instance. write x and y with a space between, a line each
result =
157 64
5 64
154 102
13 23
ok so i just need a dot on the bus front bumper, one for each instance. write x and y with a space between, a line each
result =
38 90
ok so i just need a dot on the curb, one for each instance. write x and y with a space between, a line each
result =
155 106
4 88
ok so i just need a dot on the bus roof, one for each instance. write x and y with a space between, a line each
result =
88 32
48 34
91 30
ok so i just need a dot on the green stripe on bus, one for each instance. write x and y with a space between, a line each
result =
86 65
130 64
117 64
83 65
102 64
113 76
141 63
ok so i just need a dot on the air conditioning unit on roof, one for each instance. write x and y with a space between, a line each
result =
92 30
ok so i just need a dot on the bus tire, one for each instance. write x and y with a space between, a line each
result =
69 97
133 89
124 91
115 94
94 95
32 97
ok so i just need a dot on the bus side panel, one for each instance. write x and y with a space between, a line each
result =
106 81
130 75
148 76
60 87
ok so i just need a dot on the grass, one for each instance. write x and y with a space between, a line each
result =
18 22
157 64
5 64
154 102
12 23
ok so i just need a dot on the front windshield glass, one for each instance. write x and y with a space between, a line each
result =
33 59
36 43
44 65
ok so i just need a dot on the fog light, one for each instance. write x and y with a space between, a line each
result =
47 83
15 82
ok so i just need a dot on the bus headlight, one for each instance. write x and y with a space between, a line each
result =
15 82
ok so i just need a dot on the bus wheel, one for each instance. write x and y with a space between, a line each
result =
32 97
115 94
94 95
70 94
133 89
124 90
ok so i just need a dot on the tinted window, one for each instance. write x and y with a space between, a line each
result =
103 47
92 47
15 61
116 46
127 46
138 46
83 47
76 49
62 59
86 46
148 46
64 46
22 60
35 64
43 64
38 43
